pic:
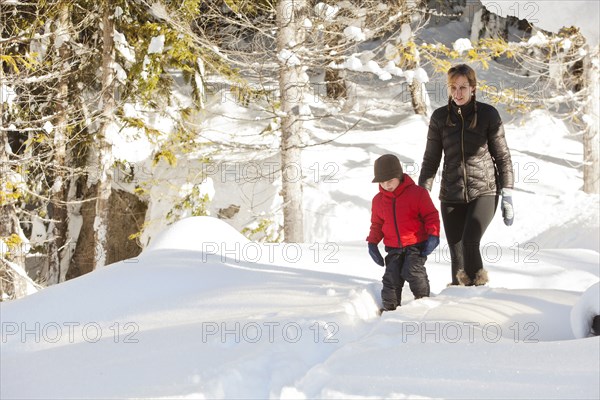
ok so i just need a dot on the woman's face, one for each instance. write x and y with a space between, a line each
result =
460 90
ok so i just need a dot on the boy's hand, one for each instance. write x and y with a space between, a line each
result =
375 254
430 245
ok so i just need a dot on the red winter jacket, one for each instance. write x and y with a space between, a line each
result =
403 217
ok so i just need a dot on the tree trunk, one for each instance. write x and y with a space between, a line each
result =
58 254
417 96
9 222
335 84
591 167
486 24
415 88
292 80
10 282
104 149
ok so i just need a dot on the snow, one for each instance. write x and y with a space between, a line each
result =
123 47
62 38
405 33
410 76
48 127
586 308
157 45
7 94
118 12
373 67
364 64
288 57
120 72
354 33
552 15
24 285
145 64
461 45
539 39
325 11
353 63
177 236
421 75
393 69
38 232
205 312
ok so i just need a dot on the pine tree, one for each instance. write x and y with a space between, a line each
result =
62 114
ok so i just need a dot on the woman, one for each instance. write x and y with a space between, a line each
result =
477 169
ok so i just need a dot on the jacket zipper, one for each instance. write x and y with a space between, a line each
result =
396 222
462 147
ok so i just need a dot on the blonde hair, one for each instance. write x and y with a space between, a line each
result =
469 73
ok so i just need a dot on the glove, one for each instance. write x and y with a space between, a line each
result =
508 212
430 245
375 254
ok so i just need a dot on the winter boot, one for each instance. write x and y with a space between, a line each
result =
481 277
455 270
463 278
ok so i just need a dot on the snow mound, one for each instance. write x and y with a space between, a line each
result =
586 308
197 234
362 304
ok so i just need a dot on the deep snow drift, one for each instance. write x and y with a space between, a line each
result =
205 313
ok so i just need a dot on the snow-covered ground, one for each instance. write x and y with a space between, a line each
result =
204 312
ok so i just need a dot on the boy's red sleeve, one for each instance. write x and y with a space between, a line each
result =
376 232
429 213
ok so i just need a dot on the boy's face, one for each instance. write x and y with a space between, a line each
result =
390 185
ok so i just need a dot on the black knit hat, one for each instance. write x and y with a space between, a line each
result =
387 167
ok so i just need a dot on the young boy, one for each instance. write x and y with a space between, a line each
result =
404 216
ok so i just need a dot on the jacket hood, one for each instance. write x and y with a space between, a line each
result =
406 182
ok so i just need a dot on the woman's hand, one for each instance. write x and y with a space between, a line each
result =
508 212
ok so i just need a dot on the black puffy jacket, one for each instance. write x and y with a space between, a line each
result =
476 160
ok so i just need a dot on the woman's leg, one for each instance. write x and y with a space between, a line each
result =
479 215
454 218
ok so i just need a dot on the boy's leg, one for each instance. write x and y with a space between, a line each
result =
414 272
392 282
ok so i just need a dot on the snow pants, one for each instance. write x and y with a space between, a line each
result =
402 265
465 225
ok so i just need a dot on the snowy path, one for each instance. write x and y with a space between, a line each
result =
177 323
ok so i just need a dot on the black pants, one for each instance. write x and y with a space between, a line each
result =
400 266
464 225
